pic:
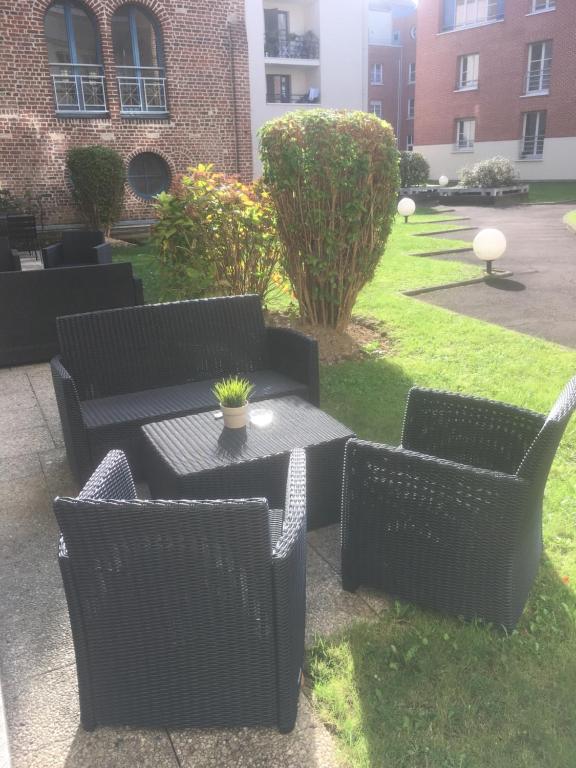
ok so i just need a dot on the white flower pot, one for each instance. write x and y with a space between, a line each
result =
235 418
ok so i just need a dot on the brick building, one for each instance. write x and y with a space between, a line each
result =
392 65
496 77
164 82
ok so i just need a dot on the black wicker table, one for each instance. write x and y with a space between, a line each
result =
195 457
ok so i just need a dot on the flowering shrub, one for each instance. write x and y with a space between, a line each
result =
495 172
333 176
217 235
414 169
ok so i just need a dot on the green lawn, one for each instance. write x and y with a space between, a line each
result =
552 191
413 689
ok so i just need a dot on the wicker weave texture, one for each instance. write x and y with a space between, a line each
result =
30 302
427 526
133 366
196 457
183 613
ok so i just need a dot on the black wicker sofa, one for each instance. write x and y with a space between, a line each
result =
123 368
31 301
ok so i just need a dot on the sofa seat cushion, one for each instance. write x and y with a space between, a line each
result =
161 403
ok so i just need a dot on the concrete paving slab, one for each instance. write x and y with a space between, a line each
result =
328 608
105 748
18 442
539 299
308 746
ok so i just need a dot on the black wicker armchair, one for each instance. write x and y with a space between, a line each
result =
78 247
452 519
185 613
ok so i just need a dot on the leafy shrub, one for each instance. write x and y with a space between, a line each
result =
98 177
414 169
8 203
217 235
333 176
495 172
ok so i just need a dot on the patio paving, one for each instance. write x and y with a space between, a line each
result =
539 298
37 668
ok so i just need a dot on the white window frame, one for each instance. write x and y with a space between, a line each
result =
471 13
538 138
377 74
538 77
376 108
411 73
410 142
411 108
465 134
468 63
542 6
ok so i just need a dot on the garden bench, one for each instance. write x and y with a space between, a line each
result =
124 368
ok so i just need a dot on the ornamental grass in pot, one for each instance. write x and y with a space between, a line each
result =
232 394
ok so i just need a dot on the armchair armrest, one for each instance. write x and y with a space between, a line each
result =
103 253
295 354
112 479
52 255
470 430
402 487
138 291
73 428
289 585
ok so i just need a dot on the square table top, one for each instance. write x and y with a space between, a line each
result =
200 442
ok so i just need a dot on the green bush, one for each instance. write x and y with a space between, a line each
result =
333 176
217 236
98 178
414 169
495 172
9 203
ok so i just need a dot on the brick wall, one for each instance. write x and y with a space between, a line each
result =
204 42
498 104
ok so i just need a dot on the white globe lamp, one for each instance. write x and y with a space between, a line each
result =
489 245
443 181
406 208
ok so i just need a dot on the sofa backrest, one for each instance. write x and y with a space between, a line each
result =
77 245
31 301
128 350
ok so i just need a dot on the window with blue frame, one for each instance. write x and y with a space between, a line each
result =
137 42
458 14
148 175
74 59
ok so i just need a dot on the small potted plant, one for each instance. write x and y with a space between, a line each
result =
233 394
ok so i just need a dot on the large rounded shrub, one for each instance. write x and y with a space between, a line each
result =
333 176
414 169
495 172
98 177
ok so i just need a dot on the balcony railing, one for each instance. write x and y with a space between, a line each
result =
532 148
464 145
142 90
538 81
79 88
282 46
468 85
312 97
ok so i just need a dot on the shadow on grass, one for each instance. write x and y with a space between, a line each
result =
435 692
368 396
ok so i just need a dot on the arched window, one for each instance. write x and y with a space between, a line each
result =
74 58
139 60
